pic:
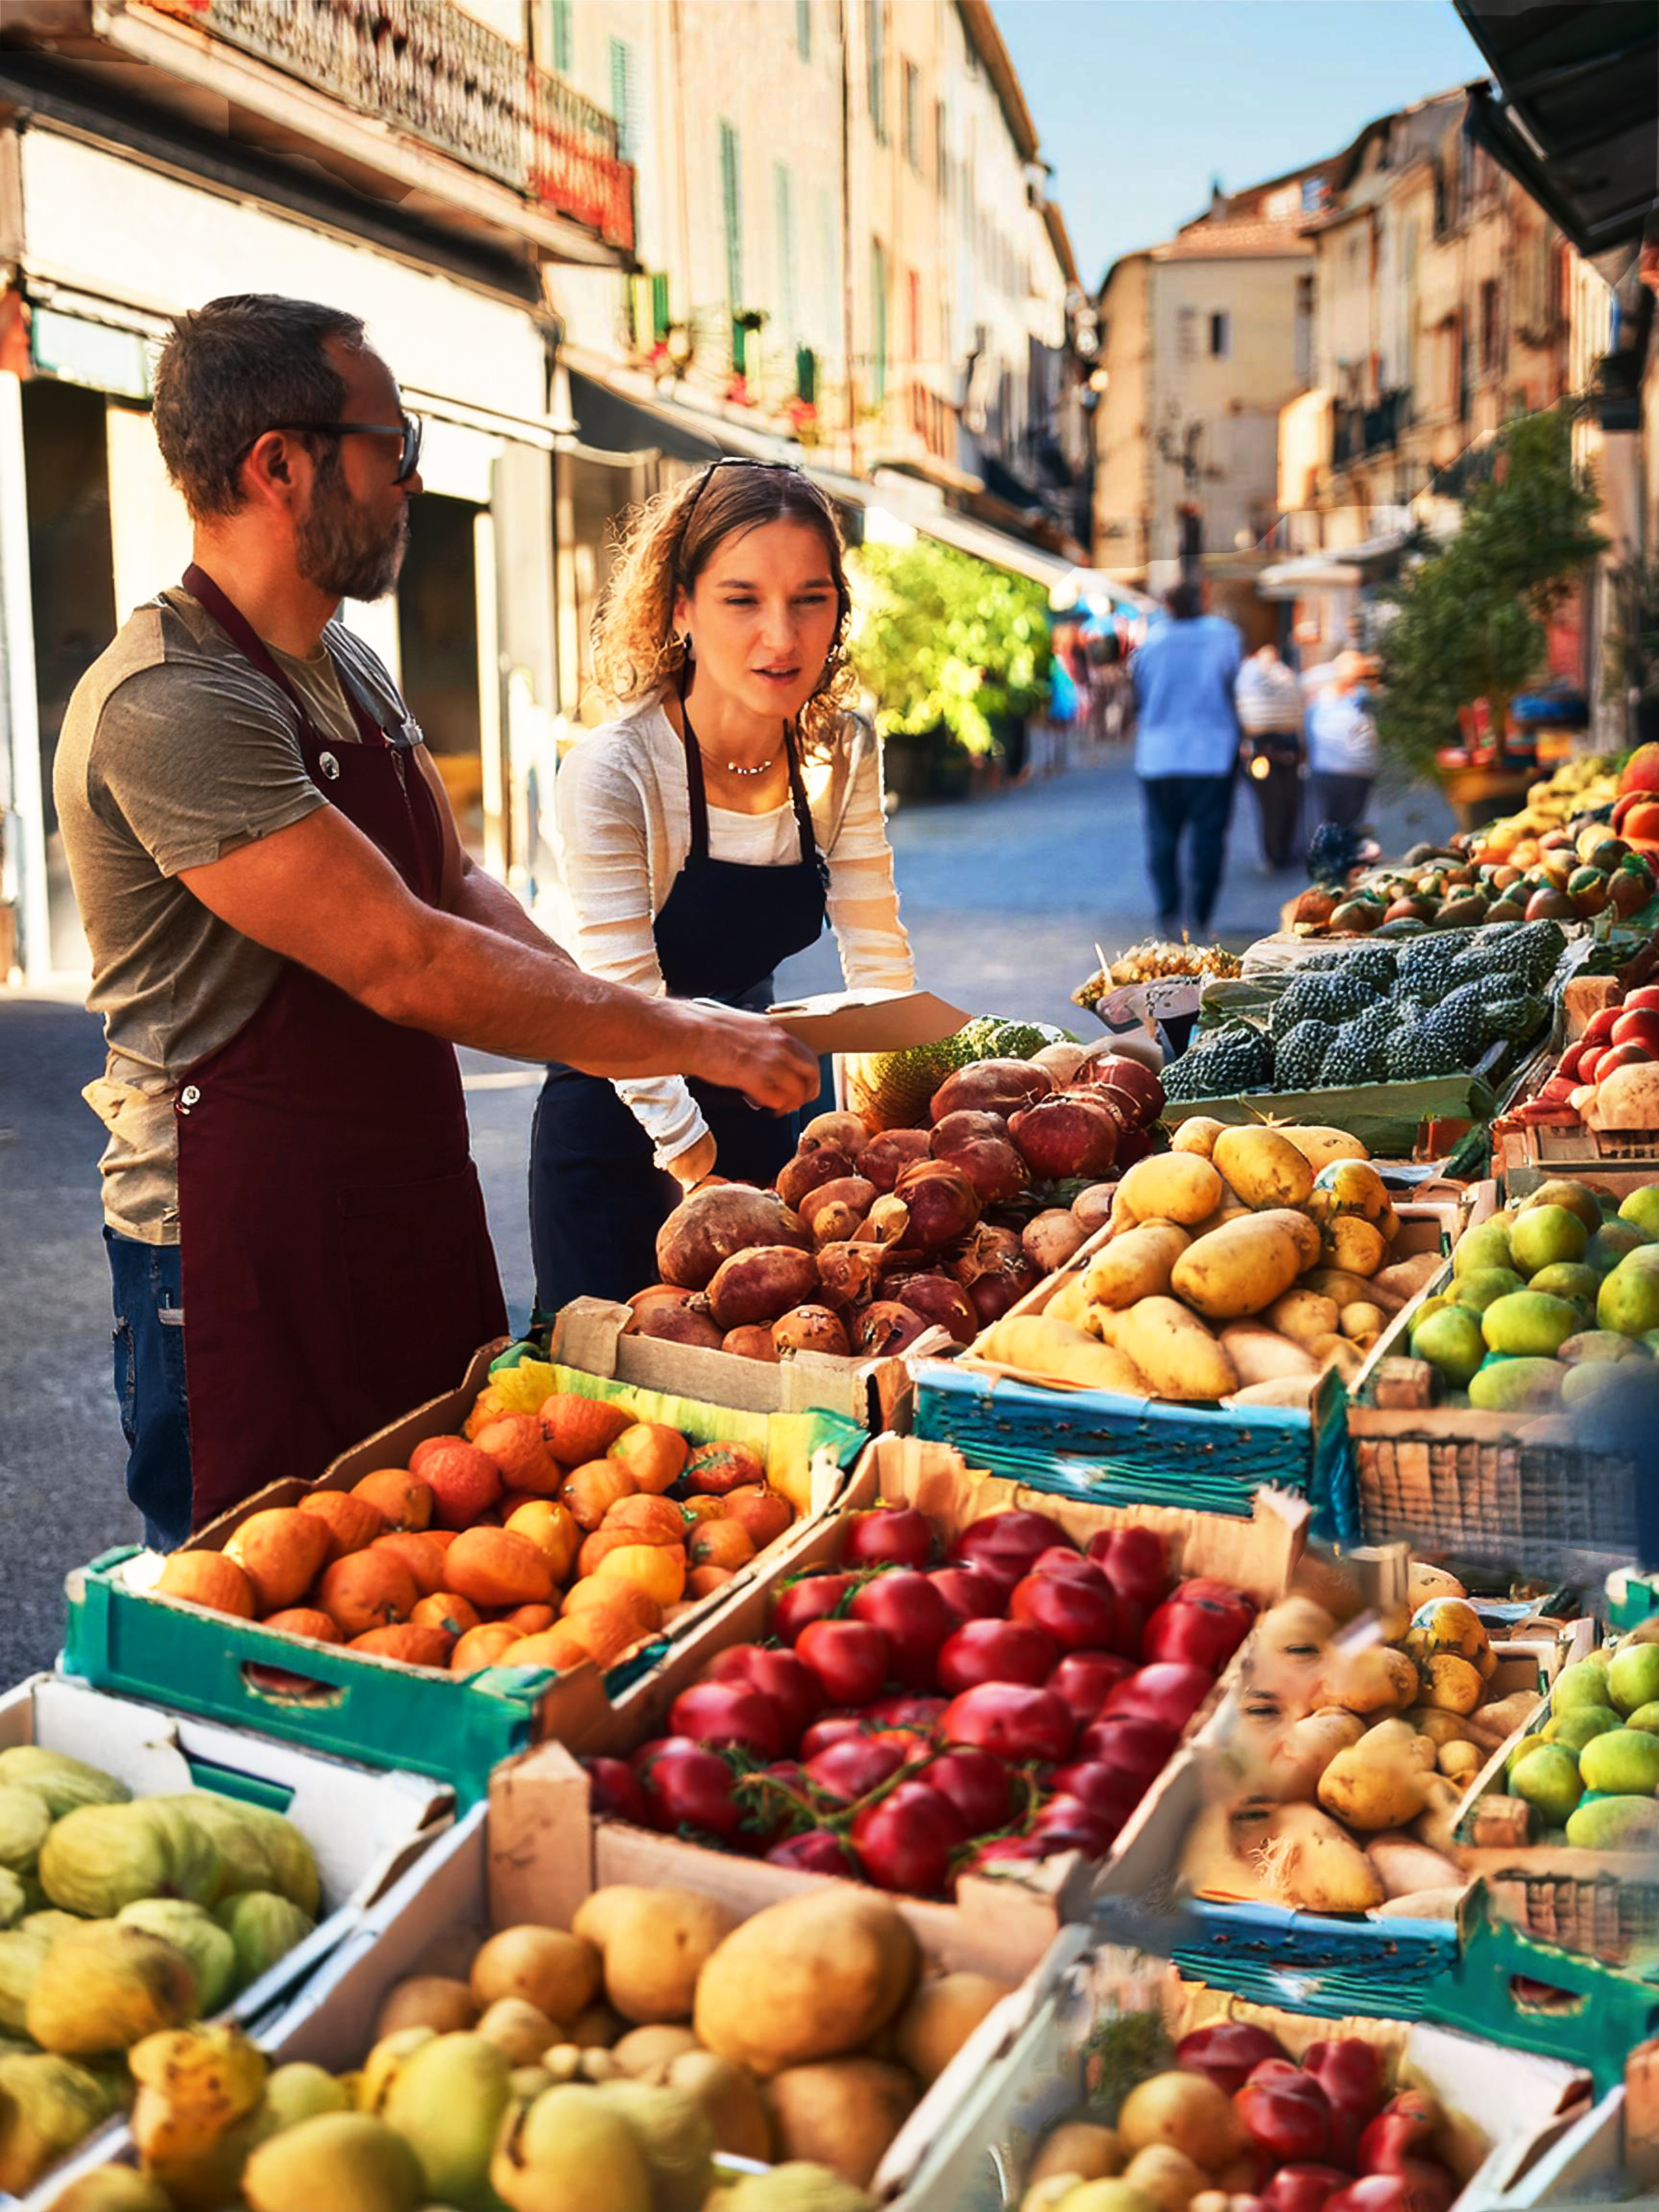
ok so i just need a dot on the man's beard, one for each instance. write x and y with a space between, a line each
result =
337 550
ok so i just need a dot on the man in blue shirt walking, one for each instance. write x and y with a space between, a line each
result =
1187 754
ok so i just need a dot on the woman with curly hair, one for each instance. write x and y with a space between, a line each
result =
701 838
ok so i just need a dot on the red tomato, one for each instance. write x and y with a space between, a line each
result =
1080 1616
1110 1795
995 1651
970 1593
1568 1064
1134 1562
1005 1544
1646 996
913 1617
1066 1824
1634 1052
1228 2052
978 1785
854 1767
1199 1631
1011 1719
1068 1566
1171 1693
832 1729
820 1851
613 1789
1374 2192
772 1812
778 1676
728 1712
912 1715
1287 2114
907 1839
898 1533
685 1786
849 1658
1132 1745
1083 1678
1000 1848
1304 2188
813 1597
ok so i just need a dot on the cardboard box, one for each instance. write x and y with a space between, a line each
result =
367 1829
969 2144
868 1021
125 1634
540 1805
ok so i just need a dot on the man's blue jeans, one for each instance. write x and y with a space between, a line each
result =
150 1384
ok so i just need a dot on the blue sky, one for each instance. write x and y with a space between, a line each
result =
1139 103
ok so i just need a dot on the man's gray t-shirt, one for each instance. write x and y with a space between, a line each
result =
174 752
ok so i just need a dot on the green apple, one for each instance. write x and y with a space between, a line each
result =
1634 1676
1628 1302
1548 1778
1641 1207
1488 1246
1528 1324
1577 1197
1545 1236
1624 1761
1583 1683
1573 1731
1450 1341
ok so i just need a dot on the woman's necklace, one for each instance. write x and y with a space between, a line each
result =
734 768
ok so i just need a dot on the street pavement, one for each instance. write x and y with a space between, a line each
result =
1004 896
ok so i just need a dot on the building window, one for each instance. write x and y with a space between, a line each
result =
912 116
623 98
660 317
1490 331
783 198
913 317
732 215
1186 333
875 41
1221 336
562 40
941 150
877 322
804 29
1304 330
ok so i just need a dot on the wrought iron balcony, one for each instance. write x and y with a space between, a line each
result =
428 68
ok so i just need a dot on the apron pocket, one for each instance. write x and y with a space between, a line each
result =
412 1260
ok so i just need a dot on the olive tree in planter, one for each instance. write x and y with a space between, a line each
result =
1473 620
952 650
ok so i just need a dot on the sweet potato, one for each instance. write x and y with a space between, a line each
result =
1262 1355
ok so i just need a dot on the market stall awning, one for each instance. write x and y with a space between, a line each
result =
612 418
1578 121
908 502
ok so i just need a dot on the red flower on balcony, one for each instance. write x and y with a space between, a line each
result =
737 392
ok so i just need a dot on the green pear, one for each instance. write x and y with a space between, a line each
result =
1633 1675
1577 1197
1488 1246
1641 1207
1583 1683
1481 1286
1628 1302
1450 1341
1612 1243
1528 1324
1545 1236
1548 1779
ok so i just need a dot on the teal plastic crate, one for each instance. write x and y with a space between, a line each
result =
1115 1451
353 1705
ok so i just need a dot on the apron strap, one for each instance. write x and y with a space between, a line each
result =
811 857
236 626
697 795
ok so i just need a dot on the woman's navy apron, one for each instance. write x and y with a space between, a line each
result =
597 1198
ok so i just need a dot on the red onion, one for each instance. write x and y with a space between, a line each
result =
942 1204
938 1301
965 1128
850 1190
988 1250
1114 1071
713 1222
992 1296
1067 1135
990 1086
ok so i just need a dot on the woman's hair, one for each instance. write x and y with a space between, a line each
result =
664 546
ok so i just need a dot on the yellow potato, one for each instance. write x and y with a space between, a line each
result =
1354 1244
1220 1217
1320 1147
1173 1350
1170 1186
1341 1352
1341 1288
1452 1683
1291 1393
1069 1302
1053 1351
1136 1264
1364 1323
1303 1314
1197 1133
1309 1241
1239 1269
1262 1355
1263 1167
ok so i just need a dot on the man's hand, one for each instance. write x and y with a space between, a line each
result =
747 1052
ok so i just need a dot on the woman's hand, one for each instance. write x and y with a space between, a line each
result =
689 1169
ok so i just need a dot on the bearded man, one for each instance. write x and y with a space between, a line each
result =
288 942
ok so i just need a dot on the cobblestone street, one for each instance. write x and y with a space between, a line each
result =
1005 898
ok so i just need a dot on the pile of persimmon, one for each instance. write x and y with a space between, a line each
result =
545 1538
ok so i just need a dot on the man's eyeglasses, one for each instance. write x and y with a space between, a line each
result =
409 430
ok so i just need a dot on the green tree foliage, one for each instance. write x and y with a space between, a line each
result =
1473 620
945 639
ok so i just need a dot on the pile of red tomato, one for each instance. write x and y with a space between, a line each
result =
917 1715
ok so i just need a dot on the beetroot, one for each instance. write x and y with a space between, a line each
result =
888 1327
761 1283
995 1272
684 1324
810 1328
849 1274
841 1132
965 1128
712 1224
809 1171
942 1204
885 1158
993 1296
1049 1239
1112 1071
994 1167
990 1086
1069 1134
849 1190
941 1301
752 1341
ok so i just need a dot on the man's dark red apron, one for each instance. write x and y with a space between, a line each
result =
337 1263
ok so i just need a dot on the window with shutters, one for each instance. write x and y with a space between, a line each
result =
783 194
878 321
804 29
912 116
875 41
1186 333
623 98
659 316
913 316
941 150
732 215
561 40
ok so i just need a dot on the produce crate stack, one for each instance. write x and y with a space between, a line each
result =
1094 1650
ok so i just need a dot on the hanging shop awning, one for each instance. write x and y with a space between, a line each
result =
1577 119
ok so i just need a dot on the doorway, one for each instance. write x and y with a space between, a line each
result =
438 645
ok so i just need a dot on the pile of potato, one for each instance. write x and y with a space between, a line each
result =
1242 1264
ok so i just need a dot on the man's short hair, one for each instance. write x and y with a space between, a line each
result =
233 370
1185 601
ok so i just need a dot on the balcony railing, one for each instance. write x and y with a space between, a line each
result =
449 80
1357 431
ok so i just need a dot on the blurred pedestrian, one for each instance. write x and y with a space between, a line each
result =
1187 754
1341 738
1269 699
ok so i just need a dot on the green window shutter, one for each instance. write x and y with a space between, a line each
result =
806 376
804 29
875 40
731 213
622 97
659 316
562 40
784 192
